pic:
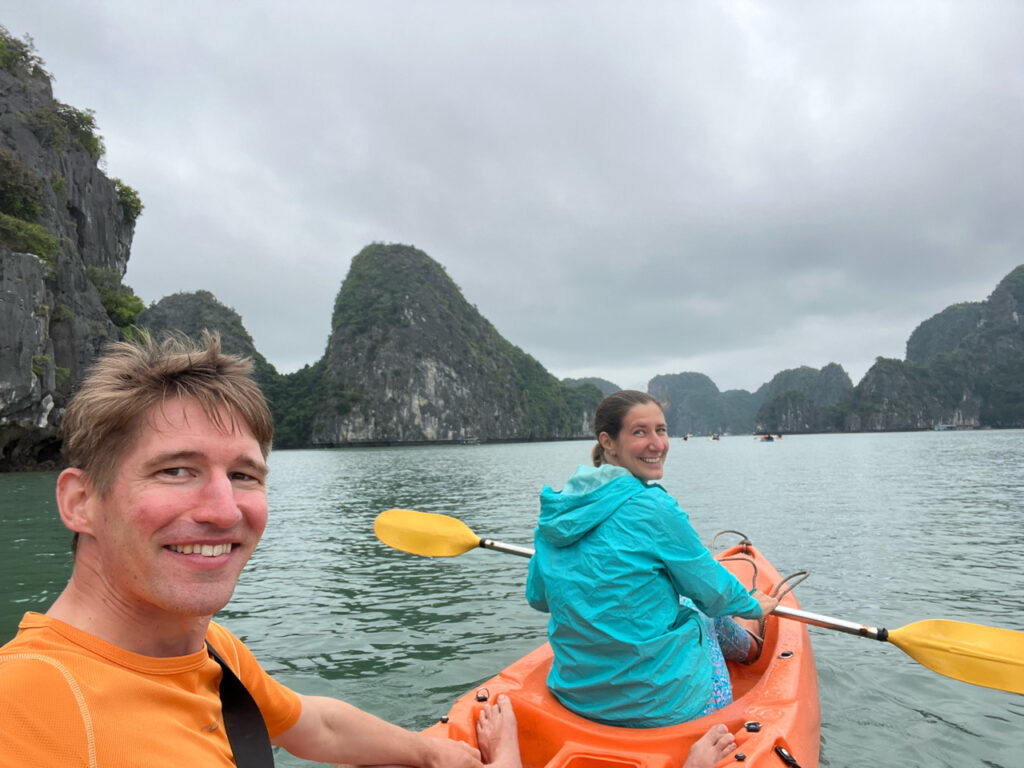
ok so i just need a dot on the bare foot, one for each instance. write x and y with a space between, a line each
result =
497 735
710 748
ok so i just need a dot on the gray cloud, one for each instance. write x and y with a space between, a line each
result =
622 189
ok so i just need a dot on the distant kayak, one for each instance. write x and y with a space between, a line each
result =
775 708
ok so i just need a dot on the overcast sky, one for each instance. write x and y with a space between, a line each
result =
623 189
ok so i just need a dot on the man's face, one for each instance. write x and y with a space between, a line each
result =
185 512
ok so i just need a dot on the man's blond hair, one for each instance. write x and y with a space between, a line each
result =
105 417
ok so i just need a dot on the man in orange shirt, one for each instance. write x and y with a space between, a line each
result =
165 492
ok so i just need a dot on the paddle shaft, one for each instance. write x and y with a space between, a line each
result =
511 549
817 620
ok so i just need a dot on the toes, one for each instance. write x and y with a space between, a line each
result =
504 704
725 744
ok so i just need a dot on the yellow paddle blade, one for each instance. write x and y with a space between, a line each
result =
988 656
424 533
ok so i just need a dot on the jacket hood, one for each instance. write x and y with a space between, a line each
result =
590 496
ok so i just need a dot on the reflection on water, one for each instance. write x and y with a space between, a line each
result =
893 527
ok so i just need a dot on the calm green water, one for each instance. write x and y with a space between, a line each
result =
893 527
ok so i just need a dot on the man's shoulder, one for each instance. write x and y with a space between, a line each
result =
32 654
31 680
44 714
24 651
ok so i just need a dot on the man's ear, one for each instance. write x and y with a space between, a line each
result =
74 493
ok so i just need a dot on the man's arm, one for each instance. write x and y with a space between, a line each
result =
331 731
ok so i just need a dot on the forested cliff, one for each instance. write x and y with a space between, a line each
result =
65 236
964 368
410 360
694 405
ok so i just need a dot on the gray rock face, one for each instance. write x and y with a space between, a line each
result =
54 323
27 371
692 403
793 401
25 343
799 399
942 333
965 367
409 360
895 395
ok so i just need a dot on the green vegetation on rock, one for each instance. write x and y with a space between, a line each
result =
122 305
39 364
131 203
19 56
22 237
20 205
604 386
20 190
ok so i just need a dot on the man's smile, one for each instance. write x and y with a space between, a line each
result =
206 550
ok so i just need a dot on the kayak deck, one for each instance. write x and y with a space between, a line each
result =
778 693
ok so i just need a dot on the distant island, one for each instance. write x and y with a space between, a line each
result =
408 360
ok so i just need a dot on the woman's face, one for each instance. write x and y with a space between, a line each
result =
642 445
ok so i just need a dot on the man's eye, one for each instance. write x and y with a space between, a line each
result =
174 471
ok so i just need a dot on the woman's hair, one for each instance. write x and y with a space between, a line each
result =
611 413
104 418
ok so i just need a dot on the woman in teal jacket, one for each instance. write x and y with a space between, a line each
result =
623 574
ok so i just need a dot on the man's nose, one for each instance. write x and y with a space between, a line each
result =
217 504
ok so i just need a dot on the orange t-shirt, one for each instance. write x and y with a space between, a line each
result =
69 699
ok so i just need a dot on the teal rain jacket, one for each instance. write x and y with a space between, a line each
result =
613 557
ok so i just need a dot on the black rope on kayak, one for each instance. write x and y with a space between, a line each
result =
799 576
781 589
744 540
748 561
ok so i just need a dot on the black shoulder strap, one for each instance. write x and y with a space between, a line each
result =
247 732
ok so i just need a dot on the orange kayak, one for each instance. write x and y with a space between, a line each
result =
774 716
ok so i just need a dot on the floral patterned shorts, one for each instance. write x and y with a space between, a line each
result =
726 640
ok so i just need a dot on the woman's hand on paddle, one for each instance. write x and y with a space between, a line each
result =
768 604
